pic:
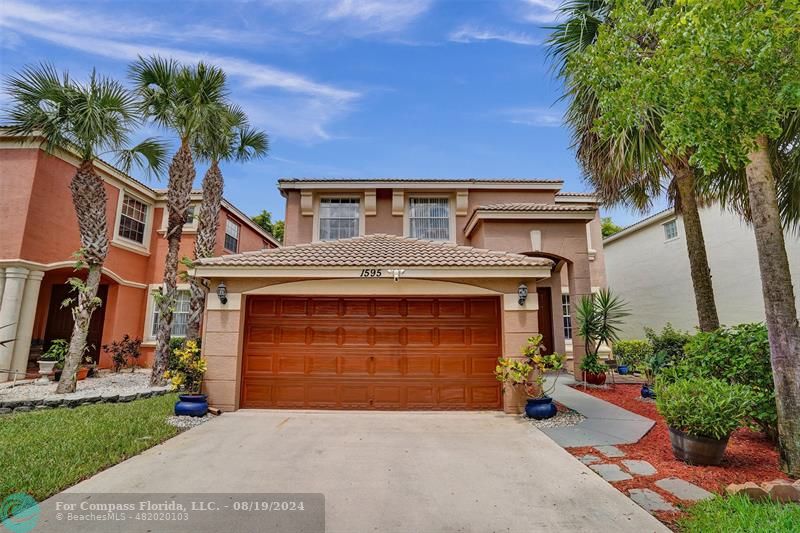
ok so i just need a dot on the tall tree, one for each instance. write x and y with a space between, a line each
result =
264 219
629 168
232 139
187 100
89 120
723 76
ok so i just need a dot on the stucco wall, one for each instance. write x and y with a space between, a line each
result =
653 275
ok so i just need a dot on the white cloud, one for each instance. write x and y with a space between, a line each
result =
471 34
540 11
539 117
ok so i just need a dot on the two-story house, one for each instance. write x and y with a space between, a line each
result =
39 235
399 293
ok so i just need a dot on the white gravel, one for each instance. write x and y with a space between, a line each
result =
562 419
187 422
108 383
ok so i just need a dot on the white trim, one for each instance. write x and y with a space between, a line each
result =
187 228
484 214
362 220
418 184
664 230
249 223
238 237
369 287
587 198
451 230
147 337
144 246
210 271
633 228
24 263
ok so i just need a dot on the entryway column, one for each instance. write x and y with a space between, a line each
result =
10 307
27 315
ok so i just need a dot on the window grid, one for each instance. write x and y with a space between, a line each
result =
190 216
180 318
429 218
566 316
132 219
338 218
670 230
231 235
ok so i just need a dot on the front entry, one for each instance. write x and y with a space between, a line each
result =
545 315
60 323
416 353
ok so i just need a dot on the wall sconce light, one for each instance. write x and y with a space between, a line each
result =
522 292
222 293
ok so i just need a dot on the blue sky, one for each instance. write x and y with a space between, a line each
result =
345 88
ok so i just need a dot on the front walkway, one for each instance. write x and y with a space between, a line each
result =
389 471
605 423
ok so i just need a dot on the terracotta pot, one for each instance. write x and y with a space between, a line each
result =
82 372
697 450
594 378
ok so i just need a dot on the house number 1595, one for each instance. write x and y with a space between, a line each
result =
371 273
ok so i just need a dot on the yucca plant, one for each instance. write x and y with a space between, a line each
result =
599 320
88 119
188 101
233 139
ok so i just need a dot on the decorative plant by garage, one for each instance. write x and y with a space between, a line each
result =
189 368
517 373
599 319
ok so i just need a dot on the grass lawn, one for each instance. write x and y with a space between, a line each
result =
738 514
44 452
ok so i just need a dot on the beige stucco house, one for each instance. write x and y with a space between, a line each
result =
398 293
648 266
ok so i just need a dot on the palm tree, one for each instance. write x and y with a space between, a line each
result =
231 140
89 120
631 168
186 100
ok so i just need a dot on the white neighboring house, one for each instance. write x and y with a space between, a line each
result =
648 266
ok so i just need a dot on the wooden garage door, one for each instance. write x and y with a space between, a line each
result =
371 353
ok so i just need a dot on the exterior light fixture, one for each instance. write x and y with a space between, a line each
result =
396 273
222 293
522 292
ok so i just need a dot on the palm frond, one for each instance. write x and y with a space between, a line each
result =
149 155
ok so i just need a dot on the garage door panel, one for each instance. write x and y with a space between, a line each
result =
371 353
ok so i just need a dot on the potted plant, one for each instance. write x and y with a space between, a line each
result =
517 373
653 366
701 413
186 375
631 354
54 355
599 318
124 352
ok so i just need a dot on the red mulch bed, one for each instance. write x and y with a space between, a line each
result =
750 456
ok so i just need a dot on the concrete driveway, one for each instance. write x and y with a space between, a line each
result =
387 472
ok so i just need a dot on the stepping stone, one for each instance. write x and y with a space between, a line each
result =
589 459
650 500
610 472
610 451
683 489
639 468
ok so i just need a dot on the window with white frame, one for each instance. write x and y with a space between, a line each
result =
429 218
338 218
190 216
180 317
132 219
566 316
671 230
231 235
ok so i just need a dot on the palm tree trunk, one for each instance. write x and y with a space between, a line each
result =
205 243
696 247
181 177
89 200
779 303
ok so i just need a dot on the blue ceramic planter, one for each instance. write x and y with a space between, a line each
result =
623 369
540 408
191 405
647 392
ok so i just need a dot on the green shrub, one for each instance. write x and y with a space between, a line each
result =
740 355
670 341
703 407
633 353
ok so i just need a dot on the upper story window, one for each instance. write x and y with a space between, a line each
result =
670 230
429 218
190 216
231 235
338 218
132 219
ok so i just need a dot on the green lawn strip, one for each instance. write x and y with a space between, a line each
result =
44 452
737 514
